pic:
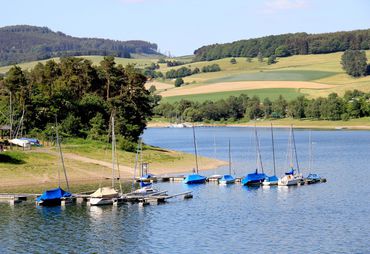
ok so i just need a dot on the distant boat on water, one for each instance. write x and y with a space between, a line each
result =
256 178
312 177
55 196
272 180
195 178
293 176
228 179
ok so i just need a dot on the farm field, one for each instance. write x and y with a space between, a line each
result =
323 72
322 69
271 93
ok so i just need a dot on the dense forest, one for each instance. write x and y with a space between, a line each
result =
287 44
29 43
81 95
354 104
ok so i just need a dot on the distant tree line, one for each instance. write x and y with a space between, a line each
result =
185 71
81 95
354 104
29 43
287 44
211 68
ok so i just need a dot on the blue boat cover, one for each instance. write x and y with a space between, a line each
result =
57 193
227 178
147 176
272 179
254 177
144 184
195 178
291 172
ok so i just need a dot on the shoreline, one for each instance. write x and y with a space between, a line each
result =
86 171
324 125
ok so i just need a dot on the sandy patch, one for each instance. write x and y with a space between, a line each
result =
243 85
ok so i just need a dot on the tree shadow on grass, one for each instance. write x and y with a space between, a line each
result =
5 158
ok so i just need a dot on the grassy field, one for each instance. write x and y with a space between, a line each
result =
273 93
322 69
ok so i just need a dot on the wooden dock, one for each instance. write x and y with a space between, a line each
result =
16 198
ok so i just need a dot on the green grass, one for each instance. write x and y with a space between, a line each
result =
272 93
292 75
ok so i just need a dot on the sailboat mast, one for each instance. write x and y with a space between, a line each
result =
258 152
295 150
229 158
61 156
310 155
195 150
273 149
141 158
113 146
11 116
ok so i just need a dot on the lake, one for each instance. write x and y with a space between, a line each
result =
321 218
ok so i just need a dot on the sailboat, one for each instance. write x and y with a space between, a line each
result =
195 178
228 179
107 195
55 196
256 178
312 177
272 180
293 177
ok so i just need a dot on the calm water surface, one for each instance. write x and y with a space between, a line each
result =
324 218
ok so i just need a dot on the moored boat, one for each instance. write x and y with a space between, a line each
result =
228 179
103 196
195 178
54 197
107 195
272 180
256 178
293 177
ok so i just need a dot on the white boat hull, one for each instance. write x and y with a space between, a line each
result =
270 183
101 201
290 180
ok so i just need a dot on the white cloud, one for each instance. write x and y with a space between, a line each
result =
272 6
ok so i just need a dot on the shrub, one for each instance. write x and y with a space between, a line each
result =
179 82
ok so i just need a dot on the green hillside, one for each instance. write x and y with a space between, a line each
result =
22 43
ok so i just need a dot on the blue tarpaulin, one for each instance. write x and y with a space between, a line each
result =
254 178
195 178
57 193
227 178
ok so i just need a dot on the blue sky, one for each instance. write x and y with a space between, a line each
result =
180 26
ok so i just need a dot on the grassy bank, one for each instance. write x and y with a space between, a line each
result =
87 163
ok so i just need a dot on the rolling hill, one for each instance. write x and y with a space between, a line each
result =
23 43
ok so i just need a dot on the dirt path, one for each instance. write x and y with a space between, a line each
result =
240 86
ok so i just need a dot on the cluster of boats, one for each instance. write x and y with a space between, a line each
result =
109 195
258 177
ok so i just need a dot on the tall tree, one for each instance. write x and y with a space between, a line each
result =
354 62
